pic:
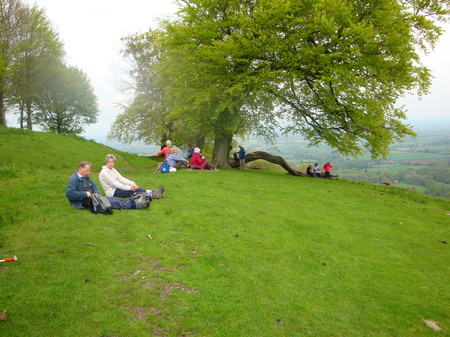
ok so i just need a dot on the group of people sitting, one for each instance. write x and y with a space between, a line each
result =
314 171
175 161
80 187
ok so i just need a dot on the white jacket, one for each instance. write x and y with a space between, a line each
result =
112 180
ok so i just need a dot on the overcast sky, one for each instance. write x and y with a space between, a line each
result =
91 31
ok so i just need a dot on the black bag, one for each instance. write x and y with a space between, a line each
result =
98 204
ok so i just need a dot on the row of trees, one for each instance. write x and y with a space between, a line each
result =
331 70
35 82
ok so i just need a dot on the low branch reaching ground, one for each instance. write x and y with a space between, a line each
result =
268 157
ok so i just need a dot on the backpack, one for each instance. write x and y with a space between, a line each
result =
165 168
99 204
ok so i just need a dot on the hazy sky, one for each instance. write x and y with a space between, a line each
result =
91 31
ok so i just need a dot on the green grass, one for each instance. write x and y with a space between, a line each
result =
234 253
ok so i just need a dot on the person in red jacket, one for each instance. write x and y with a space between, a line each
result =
165 150
200 162
327 167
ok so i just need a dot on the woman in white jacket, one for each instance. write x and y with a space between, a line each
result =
114 185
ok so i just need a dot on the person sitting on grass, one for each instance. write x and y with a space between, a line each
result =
176 161
80 188
309 171
115 185
200 162
316 170
165 150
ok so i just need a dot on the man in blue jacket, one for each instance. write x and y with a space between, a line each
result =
80 187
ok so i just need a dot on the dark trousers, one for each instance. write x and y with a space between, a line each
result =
180 164
207 164
126 194
118 203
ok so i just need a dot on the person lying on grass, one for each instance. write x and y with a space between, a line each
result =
200 162
115 185
80 188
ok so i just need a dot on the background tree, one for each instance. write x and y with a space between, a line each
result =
28 44
38 49
66 103
12 19
144 117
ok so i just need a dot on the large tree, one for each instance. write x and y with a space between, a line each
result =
39 49
13 15
28 44
333 69
66 103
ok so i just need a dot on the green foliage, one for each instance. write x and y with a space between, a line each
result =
66 101
33 79
33 50
233 253
329 70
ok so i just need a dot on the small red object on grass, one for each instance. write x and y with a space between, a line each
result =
9 260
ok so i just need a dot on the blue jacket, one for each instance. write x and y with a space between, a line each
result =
241 153
75 190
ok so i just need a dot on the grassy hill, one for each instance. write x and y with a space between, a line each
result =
233 253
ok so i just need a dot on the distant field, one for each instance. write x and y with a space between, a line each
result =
409 186
416 156
394 168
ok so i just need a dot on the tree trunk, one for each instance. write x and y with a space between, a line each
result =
222 147
29 112
199 141
270 158
2 109
22 110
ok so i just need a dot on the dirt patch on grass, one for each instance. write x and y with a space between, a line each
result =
171 288
140 312
133 274
165 290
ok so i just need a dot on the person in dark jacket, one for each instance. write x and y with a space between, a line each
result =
80 187
241 154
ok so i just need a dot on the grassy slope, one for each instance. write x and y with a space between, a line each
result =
254 253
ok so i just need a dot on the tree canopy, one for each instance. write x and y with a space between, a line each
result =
66 102
331 70
32 73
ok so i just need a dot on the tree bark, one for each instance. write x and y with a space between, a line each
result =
199 141
222 148
2 109
270 158
29 112
22 110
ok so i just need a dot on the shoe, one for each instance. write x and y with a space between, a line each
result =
158 194
141 199
140 203
149 195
